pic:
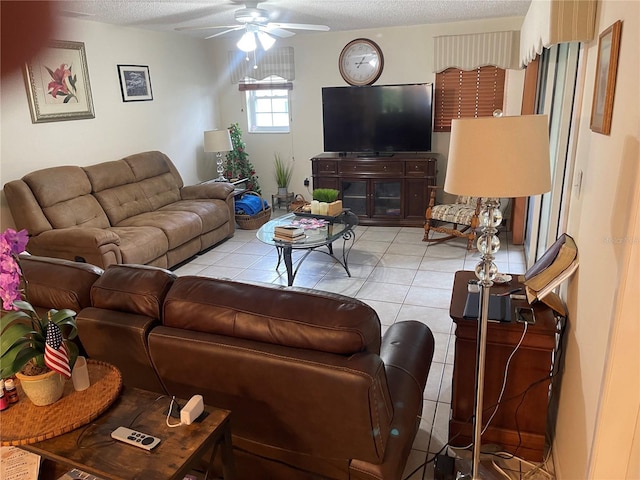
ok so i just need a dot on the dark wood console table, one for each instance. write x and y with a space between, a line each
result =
391 190
519 425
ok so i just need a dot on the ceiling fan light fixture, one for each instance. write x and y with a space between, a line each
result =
247 42
251 15
266 40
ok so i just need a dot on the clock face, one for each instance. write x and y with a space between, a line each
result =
361 62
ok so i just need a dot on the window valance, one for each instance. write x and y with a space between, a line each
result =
469 52
276 61
549 22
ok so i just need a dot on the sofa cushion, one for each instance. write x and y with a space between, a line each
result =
70 202
137 184
138 289
141 244
290 316
178 227
213 213
160 182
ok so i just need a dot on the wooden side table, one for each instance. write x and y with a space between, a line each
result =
92 450
282 200
519 425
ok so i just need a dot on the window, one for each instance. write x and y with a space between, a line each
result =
267 105
467 93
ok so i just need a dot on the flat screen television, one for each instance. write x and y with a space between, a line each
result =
377 119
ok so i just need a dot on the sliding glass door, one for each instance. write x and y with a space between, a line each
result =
546 215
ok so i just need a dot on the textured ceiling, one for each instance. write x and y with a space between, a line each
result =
337 14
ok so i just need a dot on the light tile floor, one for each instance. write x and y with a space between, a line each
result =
396 273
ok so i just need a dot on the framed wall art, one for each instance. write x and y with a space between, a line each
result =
58 85
135 83
605 84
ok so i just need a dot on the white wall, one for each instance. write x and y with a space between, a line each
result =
596 432
408 58
183 107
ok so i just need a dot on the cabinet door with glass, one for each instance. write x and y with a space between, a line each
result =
387 198
355 196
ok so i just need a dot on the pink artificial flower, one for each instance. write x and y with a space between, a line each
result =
59 83
12 243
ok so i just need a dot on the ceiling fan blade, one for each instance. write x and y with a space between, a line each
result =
277 32
182 29
225 31
300 26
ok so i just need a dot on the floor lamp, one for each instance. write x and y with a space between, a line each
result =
494 157
218 141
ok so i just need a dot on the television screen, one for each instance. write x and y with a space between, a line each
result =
381 118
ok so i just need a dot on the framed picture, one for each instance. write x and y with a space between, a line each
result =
58 83
605 84
135 83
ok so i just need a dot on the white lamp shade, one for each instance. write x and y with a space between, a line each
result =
217 141
247 42
266 40
499 157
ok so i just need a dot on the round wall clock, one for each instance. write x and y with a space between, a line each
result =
361 62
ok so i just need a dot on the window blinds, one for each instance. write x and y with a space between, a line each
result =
472 93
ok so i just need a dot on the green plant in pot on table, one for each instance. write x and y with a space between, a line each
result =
32 348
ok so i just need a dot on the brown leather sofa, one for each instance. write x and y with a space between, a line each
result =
134 210
314 390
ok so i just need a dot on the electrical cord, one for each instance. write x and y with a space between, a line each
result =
172 425
495 406
504 378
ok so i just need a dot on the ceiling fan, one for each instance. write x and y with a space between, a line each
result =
255 22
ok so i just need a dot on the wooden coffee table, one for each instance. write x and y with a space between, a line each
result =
181 449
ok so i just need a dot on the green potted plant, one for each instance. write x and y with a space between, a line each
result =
238 164
325 195
328 201
283 173
32 348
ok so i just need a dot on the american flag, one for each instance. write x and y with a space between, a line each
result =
56 356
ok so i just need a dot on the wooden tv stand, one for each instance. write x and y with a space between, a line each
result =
391 189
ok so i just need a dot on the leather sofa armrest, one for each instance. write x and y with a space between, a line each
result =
91 245
215 190
408 347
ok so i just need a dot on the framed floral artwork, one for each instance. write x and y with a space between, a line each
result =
605 84
135 83
58 85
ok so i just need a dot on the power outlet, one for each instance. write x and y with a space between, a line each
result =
306 182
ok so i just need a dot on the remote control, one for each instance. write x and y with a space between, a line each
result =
133 437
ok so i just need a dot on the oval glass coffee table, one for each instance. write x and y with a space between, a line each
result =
336 228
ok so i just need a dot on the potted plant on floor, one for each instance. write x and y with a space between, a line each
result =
283 173
238 164
32 348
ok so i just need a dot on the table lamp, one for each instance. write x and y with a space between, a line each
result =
494 157
218 141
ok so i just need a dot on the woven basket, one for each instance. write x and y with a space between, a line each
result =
253 222
298 202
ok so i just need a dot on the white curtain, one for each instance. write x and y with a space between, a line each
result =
276 61
468 52
550 22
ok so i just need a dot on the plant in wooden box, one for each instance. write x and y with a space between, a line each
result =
328 203
32 348
238 164
283 173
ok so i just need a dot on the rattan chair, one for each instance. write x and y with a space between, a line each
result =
463 214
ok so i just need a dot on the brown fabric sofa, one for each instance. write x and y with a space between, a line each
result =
134 210
314 390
